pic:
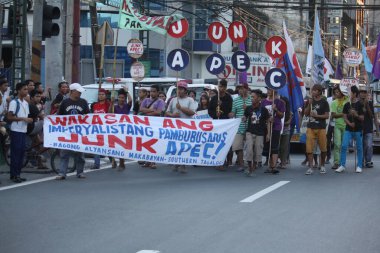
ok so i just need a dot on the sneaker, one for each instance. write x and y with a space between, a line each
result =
309 171
335 166
369 165
60 178
322 170
358 170
249 174
274 171
81 176
240 169
340 169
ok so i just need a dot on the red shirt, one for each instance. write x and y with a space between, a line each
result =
100 108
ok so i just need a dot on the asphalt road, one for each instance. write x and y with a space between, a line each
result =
144 210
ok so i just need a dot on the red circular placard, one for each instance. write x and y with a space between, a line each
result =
237 32
276 47
178 29
217 33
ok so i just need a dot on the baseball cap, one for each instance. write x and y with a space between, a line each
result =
182 84
77 87
102 91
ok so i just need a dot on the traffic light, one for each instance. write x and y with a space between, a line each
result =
49 28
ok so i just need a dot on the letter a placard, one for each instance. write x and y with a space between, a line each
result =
178 59
276 47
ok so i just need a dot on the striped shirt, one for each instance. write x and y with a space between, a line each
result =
238 109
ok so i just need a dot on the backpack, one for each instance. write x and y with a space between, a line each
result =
16 112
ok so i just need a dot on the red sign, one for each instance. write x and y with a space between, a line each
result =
217 33
237 32
276 47
135 48
178 29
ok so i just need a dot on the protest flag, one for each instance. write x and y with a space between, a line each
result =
376 63
318 54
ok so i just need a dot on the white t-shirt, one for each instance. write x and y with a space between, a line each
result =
186 102
23 112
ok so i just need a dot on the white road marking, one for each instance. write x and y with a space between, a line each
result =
53 178
148 251
260 194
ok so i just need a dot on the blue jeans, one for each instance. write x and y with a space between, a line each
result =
97 160
368 147
347 137
17 153
64 162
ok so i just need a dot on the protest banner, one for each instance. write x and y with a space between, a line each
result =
154 139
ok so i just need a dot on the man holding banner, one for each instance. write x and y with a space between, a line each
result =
181 107
152 106
70 106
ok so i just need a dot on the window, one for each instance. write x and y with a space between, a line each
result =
203 18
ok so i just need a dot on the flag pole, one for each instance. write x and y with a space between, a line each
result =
114 69
102 56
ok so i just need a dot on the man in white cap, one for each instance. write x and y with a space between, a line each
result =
70 106
336 109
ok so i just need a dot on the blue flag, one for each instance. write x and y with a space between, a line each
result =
318 54
292 90
367 62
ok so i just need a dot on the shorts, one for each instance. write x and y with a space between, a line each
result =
275 143
313 135
238 143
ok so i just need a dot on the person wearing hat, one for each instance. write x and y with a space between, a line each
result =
181 106
239 105
369 119
341 98
353 116
71 106
318 111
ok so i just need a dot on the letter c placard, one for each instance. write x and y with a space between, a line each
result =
275 79
178 59
215 64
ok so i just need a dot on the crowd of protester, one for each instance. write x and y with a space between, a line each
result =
265 131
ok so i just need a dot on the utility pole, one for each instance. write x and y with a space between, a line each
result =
37 40
1 37
75 67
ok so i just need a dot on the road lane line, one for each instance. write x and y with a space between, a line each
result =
148 251
262 193
53 178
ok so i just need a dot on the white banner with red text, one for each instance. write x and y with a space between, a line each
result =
154 139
